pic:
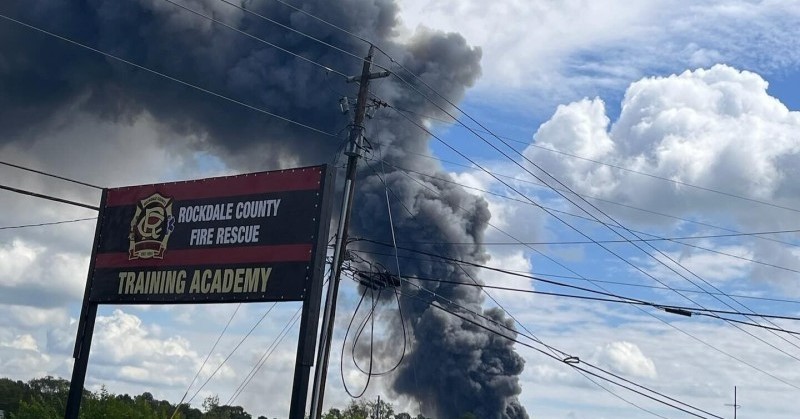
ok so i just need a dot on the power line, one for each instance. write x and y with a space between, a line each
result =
406 82
264 358
47 224
28 169
617 298
232 352
639 308
615 254
661 214
653 239
49 197
291 29
570 361
211 351
394 244
595 208
297 9
168 77
263 41
655 317
688 311
578 242
627 284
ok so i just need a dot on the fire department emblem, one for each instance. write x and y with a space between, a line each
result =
151 227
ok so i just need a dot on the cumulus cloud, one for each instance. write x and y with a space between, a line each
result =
717 128
123 342
626 358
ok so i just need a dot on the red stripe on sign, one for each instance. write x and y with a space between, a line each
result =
309 178
226 256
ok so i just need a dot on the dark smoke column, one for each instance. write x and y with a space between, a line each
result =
453 368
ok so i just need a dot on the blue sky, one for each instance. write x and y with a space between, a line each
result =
696 111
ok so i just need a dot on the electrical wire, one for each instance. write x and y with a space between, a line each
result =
653 238
606 248
293 30
570 191
300 10
51 223
49 197
617 299
232 352
168 77
568 360
627 284
644 210
263 41
595 208
264 358
344 344
456 123
211 351
27 169
695 338
590 379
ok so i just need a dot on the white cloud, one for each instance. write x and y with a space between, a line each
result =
23 342
626 358
718 128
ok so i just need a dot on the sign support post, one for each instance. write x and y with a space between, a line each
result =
309 319
85 330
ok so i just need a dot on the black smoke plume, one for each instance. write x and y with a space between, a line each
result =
453 367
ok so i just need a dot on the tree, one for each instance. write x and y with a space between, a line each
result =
12 393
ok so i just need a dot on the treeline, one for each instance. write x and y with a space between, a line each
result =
46 398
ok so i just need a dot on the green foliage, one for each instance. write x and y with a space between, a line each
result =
45 398
12 393
368 410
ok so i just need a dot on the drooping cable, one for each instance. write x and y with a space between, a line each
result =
344 344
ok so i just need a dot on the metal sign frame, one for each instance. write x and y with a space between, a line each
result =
155 247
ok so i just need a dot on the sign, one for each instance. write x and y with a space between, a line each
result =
243 238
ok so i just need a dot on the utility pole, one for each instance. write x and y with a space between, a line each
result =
735 406
353 154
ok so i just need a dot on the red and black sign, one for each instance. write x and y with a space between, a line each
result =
253 237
